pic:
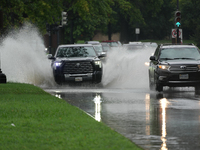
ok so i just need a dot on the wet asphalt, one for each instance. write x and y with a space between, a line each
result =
154 121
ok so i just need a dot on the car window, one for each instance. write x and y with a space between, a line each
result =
82 51
157 52
98 48
113 44
106 48
175 53
134 47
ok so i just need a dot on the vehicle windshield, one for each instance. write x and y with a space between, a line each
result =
77 51
113 44
106 48
98 48
179 53
134 47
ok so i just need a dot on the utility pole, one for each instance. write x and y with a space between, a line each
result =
177 4
1 19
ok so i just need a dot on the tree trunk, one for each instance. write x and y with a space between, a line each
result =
109 31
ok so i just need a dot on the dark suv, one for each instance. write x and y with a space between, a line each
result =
175 66
76 63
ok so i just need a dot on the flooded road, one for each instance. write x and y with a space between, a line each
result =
170 120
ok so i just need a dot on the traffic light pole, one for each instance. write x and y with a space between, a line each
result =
177 4
177 31
178 39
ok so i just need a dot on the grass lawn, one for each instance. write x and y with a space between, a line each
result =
168 41
34 119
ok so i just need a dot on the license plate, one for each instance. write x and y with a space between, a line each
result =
183 76
78 79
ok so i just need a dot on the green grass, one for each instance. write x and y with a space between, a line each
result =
157 41
34 119
168 41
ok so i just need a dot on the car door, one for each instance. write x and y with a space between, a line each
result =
153 65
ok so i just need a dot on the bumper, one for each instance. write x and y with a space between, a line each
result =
180 79
90 77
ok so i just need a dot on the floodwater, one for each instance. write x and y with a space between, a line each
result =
170 120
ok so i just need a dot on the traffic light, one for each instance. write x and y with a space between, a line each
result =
177 19
64 18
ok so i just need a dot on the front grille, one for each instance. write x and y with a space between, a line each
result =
184 68
77 67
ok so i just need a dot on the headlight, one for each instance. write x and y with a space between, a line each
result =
146 63
56 64
164 67
199 67
98 63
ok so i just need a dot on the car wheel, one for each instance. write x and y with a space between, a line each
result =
159 88
151 85
58 80
197 89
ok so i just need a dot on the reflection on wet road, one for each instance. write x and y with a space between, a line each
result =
170 120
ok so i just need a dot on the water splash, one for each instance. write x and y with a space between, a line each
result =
125 69
23 58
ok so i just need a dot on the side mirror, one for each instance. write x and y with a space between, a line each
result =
50 56
152 58
103 54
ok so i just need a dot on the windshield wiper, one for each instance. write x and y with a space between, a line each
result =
186 58
166 58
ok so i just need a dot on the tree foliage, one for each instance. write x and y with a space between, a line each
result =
158 23
155 18
39 12
190 21
84 16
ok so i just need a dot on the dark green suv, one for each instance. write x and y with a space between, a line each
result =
175 66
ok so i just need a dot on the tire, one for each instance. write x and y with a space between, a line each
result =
58 80
197 89
159 87
151 85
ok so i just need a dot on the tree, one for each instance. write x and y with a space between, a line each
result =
16 12
87 16
159 22
190 22
84 17
128 15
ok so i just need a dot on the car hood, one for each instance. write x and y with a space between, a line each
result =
77 59
180 62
